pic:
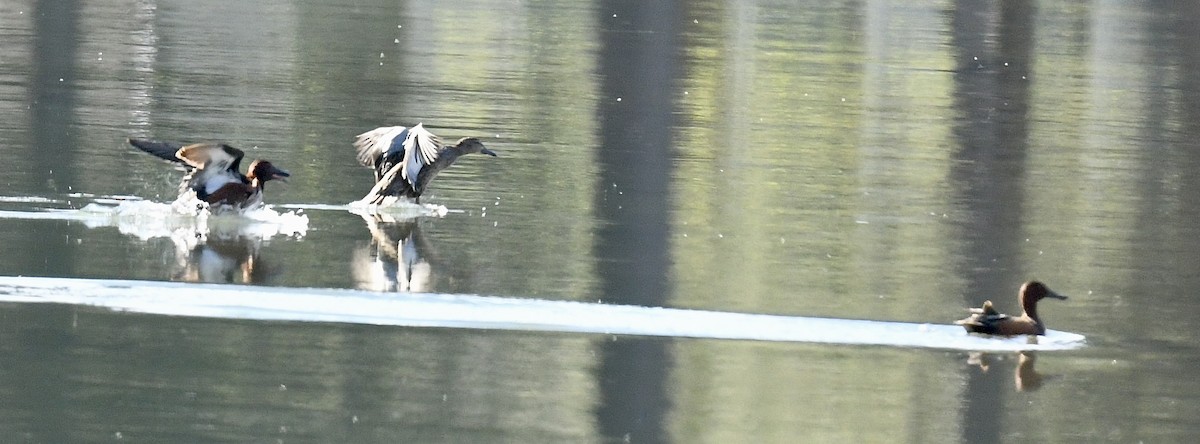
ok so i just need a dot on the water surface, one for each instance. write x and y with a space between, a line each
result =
864 161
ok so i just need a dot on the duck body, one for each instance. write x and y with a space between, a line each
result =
405 160
214 173
986 320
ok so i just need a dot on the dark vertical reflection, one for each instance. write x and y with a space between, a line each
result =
52 111
359 92
44 388
1185 152
1189 56
1188 51
991 101
638 63
55 44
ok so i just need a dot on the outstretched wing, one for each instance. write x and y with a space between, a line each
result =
421 148
212 156
162 150
371 145
215 166
381 148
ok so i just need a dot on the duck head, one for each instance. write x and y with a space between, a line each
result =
1034 291
1031 293
263 171
470 145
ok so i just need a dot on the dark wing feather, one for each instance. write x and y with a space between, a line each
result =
162 150
237 154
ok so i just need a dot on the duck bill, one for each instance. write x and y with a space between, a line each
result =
488 152
280 175
1051 294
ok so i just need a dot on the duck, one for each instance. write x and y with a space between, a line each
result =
405 160
986 320
214 173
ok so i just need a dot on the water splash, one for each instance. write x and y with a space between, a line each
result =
183 218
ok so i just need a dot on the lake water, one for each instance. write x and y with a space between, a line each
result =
858 161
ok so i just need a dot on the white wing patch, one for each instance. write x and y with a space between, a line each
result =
420 149
371 144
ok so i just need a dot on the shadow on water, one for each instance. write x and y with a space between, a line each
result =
992 95
638 64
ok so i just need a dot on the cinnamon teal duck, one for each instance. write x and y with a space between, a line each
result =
405 160
214 173
987 320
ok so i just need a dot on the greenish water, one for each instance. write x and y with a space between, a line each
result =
880 161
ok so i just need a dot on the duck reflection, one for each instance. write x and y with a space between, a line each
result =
229 259
1025 377
395 259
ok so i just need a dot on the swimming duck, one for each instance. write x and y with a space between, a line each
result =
987 320
213 172
405 160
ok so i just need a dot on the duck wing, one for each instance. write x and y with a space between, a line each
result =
216 165
421 148
381 148
212 156
160 149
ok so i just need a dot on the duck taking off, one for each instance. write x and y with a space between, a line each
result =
213 173
405 160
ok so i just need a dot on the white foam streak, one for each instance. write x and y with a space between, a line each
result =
480 312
